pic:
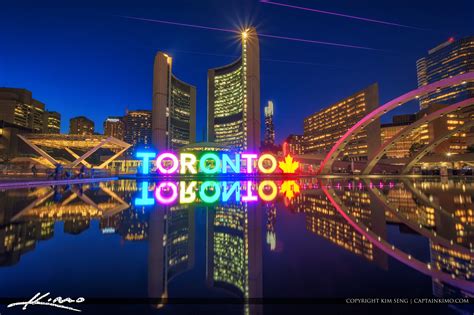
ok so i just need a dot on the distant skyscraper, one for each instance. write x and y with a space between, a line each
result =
269 127
17 106
174 107
294 144
323 128
114 127
81 125
450 58
138 129
51 122
234 98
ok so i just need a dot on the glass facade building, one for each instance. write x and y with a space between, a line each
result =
114 127
234 99
451 58
138 129
269 126
174 107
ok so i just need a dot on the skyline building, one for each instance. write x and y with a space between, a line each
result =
114 127
81 125
20 108
294 144
269 137
51 122
323 128
174 107
138 132
450 58
233 104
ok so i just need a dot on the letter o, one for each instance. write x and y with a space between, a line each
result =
272 167
202 192
262 194
159 163
166 200
209 156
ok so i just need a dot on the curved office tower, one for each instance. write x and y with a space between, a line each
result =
234 99
174 107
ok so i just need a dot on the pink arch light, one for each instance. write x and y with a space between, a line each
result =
326 164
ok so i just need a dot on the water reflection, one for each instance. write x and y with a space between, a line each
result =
242 223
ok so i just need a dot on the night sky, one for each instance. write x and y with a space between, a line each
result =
83 58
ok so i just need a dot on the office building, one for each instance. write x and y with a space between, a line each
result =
81 125
234 98
17 106
269 138
293 144
174 107
426 133
114 127
323 128
138 132
51 122
401 148
451 58
448 59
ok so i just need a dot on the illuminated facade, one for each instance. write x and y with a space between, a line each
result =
174 107
138 129
81 126
323 128
456 144
234 244
448 59
73 145
51 122
401 148
451 58
322 219
294 144
114 127
234 99
17 106
269 139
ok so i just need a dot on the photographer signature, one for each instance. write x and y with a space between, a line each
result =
57 302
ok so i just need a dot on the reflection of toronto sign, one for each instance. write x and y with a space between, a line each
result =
183 192
168 163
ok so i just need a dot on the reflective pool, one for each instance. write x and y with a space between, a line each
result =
300 246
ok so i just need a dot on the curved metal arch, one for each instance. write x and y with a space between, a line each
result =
339 146
421 195
377 241
433 144
432 236
408 129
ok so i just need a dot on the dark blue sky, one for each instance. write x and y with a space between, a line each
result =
80 58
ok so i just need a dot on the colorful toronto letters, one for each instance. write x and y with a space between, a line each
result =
168 163
186 192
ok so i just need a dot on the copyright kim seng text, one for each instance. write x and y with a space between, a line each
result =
408 301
